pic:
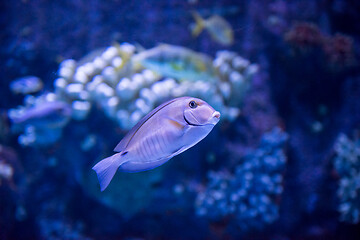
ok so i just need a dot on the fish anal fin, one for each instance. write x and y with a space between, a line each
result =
177 152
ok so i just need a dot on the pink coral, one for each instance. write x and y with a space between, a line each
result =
339 50
304 35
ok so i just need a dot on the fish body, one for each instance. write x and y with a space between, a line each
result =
26 85
218 28
177 62
165 132
47 114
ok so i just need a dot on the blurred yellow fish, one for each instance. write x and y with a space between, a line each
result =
219 29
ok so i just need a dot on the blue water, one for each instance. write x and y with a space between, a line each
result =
283 162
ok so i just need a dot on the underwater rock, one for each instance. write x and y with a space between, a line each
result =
249 196
347 166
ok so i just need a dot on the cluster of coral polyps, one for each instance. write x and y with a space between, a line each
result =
347 165
249 196
109 79
338 49
126 94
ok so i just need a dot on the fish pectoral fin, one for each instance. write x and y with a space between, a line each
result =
176 124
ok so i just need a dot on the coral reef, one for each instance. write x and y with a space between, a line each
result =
347 166
54 223
337 51
251 194
308 84
126 92
109 80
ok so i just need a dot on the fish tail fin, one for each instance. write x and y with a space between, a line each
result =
199 24
106 169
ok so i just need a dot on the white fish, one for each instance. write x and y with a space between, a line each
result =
165 132
26 85
47 114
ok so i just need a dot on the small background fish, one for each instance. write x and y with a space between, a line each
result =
218 28
177 62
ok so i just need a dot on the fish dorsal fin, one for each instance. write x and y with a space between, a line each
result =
126 140
139 48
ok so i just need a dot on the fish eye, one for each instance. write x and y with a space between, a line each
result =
192 104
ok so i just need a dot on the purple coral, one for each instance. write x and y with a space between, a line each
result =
250 196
